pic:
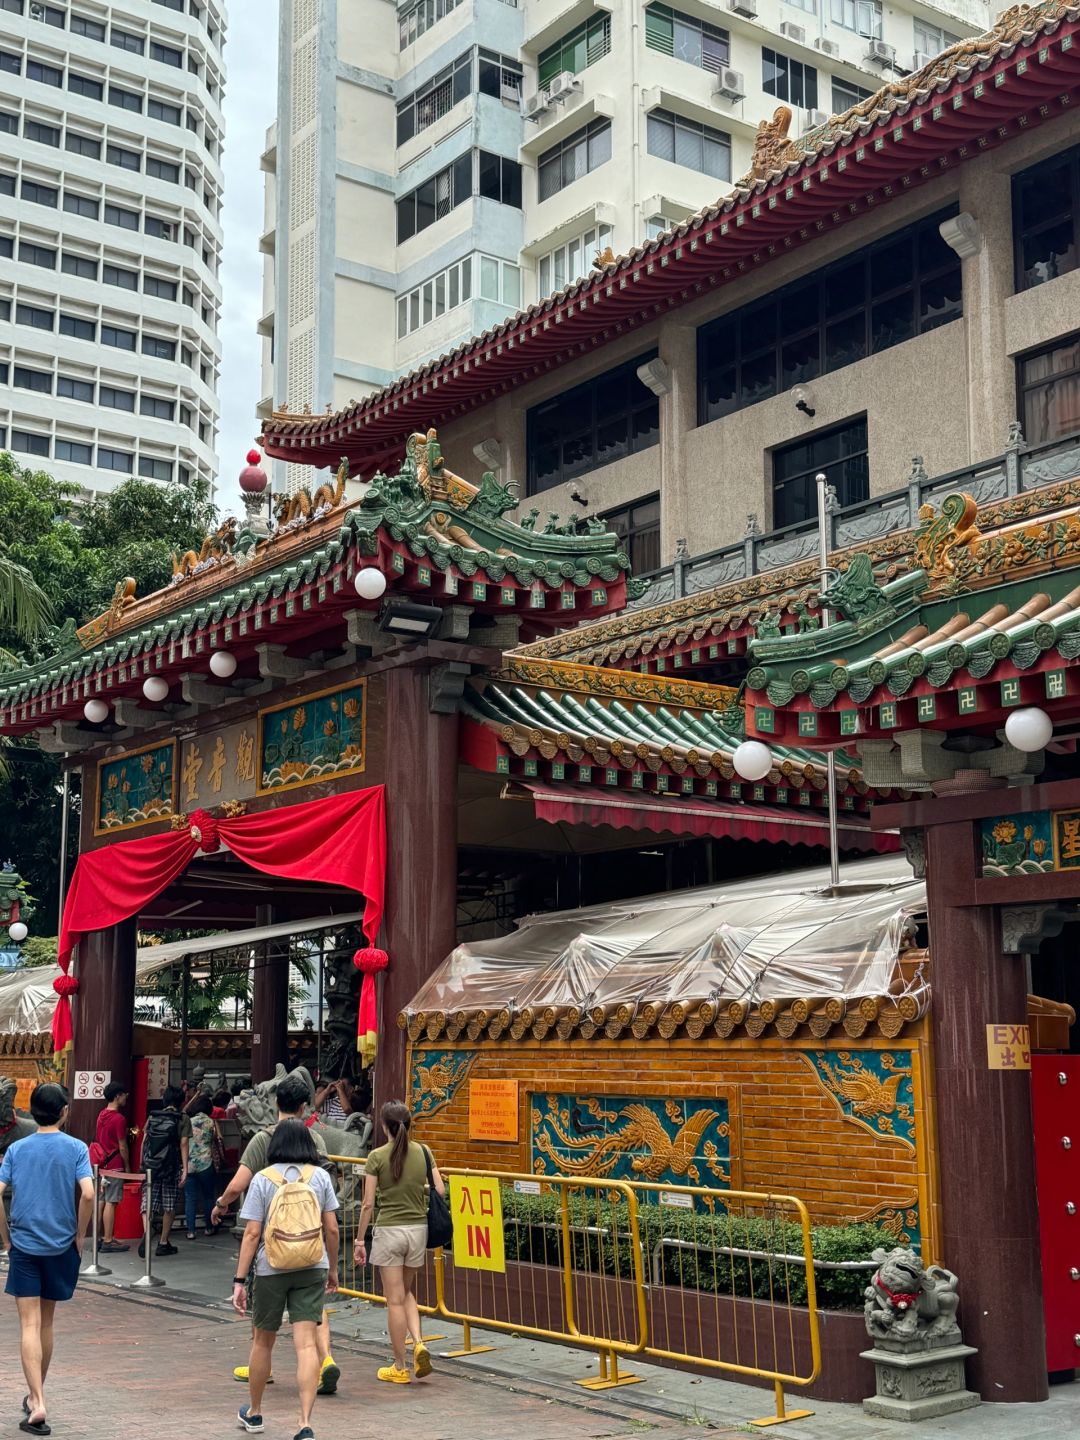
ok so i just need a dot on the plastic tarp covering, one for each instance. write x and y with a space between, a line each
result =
772 937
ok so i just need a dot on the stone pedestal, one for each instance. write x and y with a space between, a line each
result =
919 1384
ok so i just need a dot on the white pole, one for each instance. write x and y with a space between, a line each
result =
823 559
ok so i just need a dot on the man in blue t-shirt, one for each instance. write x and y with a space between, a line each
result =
52 1200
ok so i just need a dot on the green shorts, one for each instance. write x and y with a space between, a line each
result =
302 1292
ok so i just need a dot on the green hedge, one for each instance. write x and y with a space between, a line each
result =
534 1236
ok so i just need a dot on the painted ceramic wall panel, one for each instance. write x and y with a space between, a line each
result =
1019 844
315 737
136 788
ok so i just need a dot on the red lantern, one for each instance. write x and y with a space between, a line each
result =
369 962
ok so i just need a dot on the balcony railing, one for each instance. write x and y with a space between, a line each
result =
1018 469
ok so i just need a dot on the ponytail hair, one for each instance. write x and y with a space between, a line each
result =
396 1120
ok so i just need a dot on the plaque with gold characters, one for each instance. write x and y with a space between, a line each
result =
317 737
136 788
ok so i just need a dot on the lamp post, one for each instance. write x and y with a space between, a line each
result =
830 760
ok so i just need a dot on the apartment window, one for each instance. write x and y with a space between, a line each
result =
418 19
436 98
9 123
163 289
427 302
27 444
576 50
120 155
82 145
167 55
841 454
156 409
119 337
160 229
685 38
155 469
7 246
40 195
161 110
115 399
125 99
862 16
931 40
845 95
171 4
435 198
124 40
657 225
498 178
1049 385
37 255
43 134
500 281
77 327
903 285
49 15
577 155
7 184
689 143
158 348
85 85
788 79
44 74
73 451
121 460
183 474
185 415
92 29
162 169
600 421
15 6
80 265
498 76
122 216
121 276
1046 202
573 261
638 528
70 389
40 381
80 205
10 63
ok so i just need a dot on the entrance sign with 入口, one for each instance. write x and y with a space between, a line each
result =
476 1206
493 1110
1008 1047
90 1084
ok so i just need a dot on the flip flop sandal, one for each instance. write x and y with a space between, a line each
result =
35 1427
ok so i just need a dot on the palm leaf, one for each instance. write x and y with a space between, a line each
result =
25 609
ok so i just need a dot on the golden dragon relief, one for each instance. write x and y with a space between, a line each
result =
652 1152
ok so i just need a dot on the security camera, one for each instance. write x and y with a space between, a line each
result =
803 400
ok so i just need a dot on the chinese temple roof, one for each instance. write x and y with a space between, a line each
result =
430 532
988 619
978 94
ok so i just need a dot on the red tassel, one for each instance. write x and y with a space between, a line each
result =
369 962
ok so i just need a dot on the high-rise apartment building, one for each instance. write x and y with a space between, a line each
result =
437 164
111 137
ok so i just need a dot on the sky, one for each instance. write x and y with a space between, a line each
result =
250 104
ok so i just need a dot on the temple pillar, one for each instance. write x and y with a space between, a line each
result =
420 927
102 1015
269 1007
990 1218
984 241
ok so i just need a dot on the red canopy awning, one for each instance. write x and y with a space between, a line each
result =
682 815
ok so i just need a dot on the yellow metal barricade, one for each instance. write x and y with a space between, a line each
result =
360 1281
731 1284
556 1257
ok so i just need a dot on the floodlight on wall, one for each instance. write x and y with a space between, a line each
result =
407 618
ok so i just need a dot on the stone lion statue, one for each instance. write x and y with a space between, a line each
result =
906 1302
12 1126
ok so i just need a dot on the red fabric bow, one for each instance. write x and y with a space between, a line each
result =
66 985
370 962
203 829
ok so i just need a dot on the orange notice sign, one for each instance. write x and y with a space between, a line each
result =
493 1110
1008 1047
23 1090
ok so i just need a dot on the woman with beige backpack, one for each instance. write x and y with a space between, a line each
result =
291 1233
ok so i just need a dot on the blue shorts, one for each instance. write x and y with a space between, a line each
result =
47 1277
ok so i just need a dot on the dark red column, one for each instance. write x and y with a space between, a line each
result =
985 1147
269 1004
421 881
103 1014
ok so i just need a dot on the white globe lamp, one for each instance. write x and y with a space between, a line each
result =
223 664
18 931
155 688
370 584
96 711
752 760
1029 729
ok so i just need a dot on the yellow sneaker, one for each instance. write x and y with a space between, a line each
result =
393 1375
329 1375
242 1372
421 1360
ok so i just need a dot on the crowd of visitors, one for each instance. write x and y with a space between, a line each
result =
289 1247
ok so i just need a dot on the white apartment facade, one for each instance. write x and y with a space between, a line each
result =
437 164
111 134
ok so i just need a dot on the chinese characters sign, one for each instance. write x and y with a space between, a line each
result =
318 737
217 766
493 1110
1008 1047
478 1222
1033 842
136 788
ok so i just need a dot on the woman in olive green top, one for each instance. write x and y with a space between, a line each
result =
395 1191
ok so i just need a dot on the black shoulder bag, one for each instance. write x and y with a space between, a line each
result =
440 1224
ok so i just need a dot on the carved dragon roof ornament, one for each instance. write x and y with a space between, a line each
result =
772 148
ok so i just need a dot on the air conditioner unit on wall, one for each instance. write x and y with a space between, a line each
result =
565 83
920 60
729 84
793 32
880 52
743 7
827 47
533 106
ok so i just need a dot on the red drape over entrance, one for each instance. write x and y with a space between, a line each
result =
338 841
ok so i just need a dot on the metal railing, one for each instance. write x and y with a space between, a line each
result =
147 1280
1017 469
